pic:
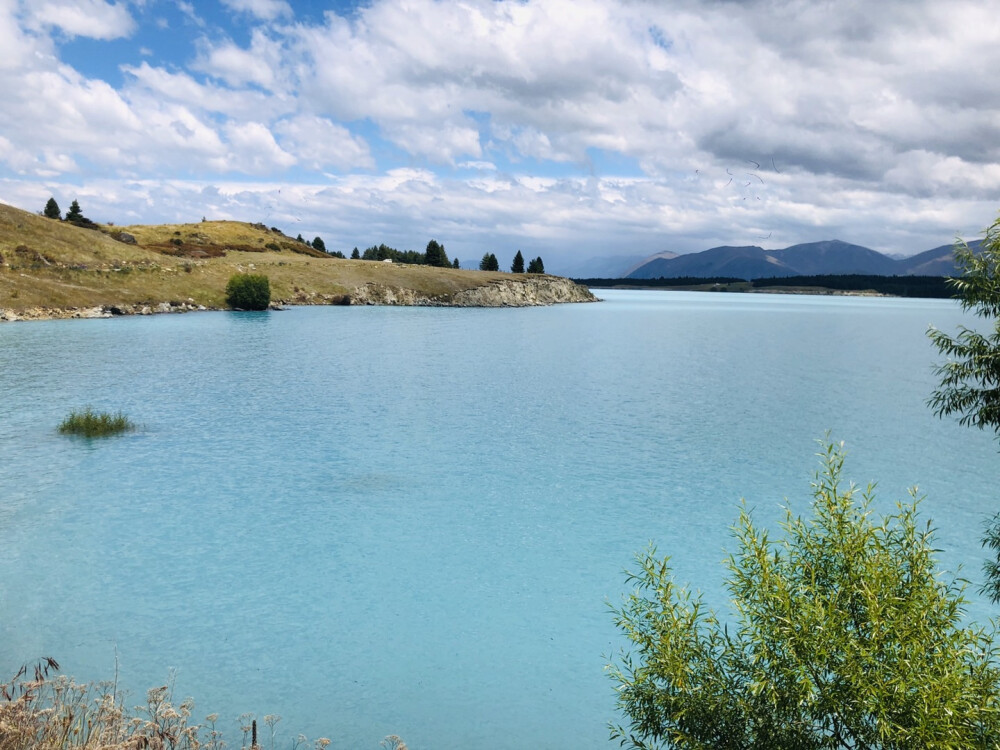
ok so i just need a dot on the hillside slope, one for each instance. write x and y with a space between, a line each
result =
50 268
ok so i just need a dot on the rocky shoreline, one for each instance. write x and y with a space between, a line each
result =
531 292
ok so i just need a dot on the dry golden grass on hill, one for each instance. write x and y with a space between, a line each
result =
45 263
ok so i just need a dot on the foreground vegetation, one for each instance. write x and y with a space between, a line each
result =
40 711
89 423
844 635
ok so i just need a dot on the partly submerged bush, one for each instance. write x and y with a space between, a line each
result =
90 423
248 291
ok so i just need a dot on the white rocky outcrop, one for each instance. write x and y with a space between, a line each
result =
529 291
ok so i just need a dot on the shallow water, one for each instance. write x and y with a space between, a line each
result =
411 520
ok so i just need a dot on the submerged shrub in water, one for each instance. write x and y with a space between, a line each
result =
89 423
248 291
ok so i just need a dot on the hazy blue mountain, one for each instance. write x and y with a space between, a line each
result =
939 261
807 259
746 262
834 256
594 267
639 262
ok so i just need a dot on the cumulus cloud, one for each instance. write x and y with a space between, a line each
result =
254 150
266 10
238 66
321 144
95 19
722 122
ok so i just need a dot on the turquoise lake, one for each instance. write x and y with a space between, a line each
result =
411 521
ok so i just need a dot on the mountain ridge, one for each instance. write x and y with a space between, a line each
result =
833 257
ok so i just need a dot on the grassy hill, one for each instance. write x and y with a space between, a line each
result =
49 264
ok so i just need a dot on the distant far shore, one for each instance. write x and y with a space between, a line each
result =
854 285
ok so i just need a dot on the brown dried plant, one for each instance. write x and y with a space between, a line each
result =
39 711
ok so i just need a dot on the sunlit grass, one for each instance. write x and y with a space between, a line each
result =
89 423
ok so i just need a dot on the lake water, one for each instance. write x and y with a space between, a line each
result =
411 520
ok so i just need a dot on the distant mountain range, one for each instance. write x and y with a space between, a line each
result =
809 259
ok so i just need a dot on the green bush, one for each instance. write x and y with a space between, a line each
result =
89 423
248 291
844 634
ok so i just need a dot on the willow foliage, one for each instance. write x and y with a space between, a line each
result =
844 635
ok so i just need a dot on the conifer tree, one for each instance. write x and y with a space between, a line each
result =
52 210
435 255
74 213
518 265
969 378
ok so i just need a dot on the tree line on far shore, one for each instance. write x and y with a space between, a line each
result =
490 263
899 286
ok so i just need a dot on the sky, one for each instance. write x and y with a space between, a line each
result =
577 130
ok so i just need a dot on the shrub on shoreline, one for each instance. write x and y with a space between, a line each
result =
248 291
89 423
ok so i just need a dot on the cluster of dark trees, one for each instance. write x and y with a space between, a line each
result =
900 286
73 216
318 244
490 263
434 255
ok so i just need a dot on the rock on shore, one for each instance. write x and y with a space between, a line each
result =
529 292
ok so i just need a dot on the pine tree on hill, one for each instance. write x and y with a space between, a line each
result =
436 255
74 213
518 265
52 210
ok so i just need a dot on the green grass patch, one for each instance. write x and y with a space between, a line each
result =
90 423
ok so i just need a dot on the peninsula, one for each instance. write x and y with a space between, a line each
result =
55 269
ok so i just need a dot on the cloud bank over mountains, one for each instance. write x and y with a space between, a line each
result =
591 127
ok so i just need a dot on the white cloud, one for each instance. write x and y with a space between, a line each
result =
238 66
486 166
321 144
95 19
859 117
254 150
266 10
150 87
